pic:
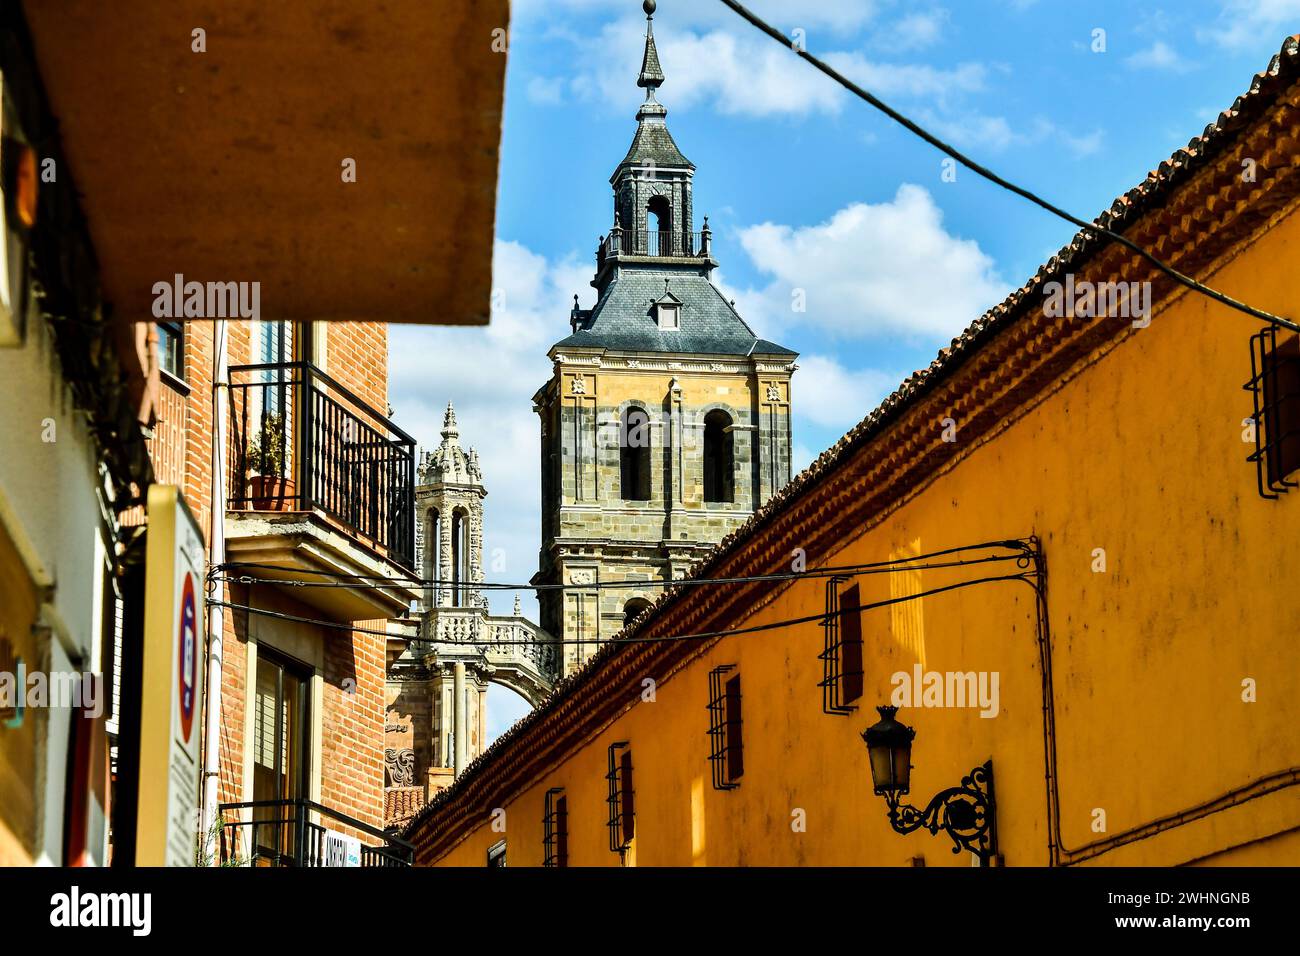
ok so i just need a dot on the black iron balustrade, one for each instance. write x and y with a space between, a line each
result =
303 442
656 243
283 833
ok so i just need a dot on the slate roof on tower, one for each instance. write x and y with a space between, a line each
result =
622 318
653 144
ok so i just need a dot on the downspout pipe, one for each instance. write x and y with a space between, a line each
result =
216 598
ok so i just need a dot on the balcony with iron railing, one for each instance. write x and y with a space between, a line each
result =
304 442
303 833
319 481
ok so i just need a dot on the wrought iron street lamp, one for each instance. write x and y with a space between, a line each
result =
966 813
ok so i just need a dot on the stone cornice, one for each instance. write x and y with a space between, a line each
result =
686 362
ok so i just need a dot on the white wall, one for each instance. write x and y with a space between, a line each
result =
49 507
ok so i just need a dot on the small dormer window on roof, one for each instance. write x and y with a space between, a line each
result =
667 310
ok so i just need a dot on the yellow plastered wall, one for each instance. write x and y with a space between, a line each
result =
1140 453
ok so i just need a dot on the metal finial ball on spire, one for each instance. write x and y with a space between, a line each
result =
649 7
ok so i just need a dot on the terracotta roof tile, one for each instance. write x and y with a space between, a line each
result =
401 804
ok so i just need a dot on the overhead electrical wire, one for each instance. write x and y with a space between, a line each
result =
230 573
997 180
667 638
616 585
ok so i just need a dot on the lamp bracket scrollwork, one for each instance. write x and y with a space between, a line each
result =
965 813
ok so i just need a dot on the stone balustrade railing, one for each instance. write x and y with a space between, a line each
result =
515 639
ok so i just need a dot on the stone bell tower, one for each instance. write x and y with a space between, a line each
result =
666 420
446 680
437 681
449 503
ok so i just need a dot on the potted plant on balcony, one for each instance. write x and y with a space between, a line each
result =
269 489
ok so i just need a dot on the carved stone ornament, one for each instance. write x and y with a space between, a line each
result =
399 767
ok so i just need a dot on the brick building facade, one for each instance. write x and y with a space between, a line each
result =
302 703
437 685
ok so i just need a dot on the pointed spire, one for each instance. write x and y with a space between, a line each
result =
651 73
449 429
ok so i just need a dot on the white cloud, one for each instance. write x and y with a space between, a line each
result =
840 16
915 31
834 16
970 129
742 72
1152 22
547 91
974 129
1158 56
829 395
1246 23
872 270
913 80
746 74
1085 144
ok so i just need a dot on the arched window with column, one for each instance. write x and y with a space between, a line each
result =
634 454
460 576
659 220
719 457
432 556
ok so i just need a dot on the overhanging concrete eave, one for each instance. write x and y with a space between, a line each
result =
227 165
292 547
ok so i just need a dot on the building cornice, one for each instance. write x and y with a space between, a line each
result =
692 363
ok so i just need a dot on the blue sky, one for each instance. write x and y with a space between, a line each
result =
808 189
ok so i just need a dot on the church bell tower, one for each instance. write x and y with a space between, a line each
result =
666 421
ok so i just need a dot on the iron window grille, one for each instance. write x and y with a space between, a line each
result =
555 829
841 655
621 802
726 748
1274 387
496 855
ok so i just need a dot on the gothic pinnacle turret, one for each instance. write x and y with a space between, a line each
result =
449 462
449 429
